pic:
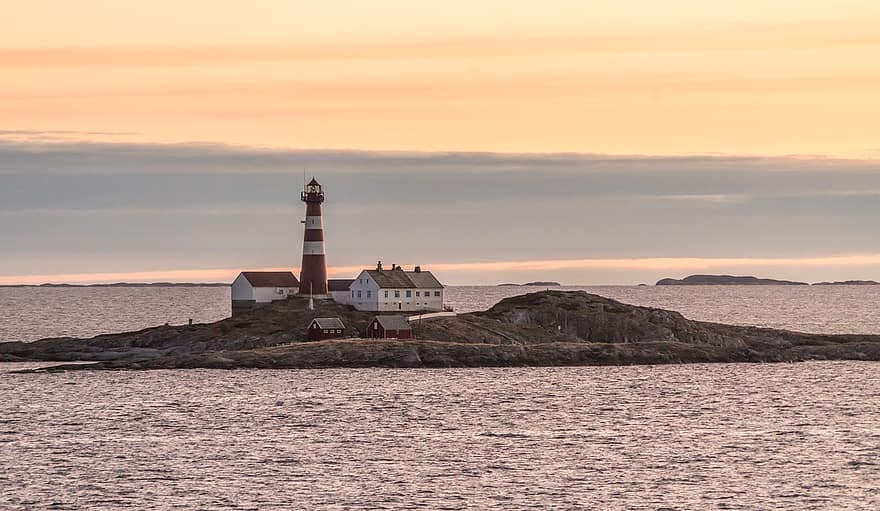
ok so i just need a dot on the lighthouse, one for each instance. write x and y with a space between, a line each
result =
313 273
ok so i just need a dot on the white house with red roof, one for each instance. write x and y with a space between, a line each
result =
251 288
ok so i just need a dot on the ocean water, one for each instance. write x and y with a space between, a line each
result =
27 314
726 436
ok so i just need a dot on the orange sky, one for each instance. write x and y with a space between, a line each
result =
486 272
756 77
752 77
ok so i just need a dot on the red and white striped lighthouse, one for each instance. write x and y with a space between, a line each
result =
313 274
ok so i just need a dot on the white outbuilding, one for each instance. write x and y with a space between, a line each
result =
382 290
252 288
339 289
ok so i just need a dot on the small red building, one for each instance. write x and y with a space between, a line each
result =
326 328
389 327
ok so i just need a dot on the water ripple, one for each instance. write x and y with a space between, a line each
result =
785 436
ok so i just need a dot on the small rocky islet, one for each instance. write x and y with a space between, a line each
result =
539 283
747 280
548 328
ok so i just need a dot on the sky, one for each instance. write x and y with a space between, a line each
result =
600 142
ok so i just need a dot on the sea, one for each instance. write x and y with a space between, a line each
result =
31 313
678 437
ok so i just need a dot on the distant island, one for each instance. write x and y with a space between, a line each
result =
538 283
726 280
849 283
731 280
127 284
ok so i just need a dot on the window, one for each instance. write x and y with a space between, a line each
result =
397 294
386 294
352 293
325 330
408 293
436 293
369 294
359 293
418 294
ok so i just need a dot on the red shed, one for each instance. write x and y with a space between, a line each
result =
326 328
389 327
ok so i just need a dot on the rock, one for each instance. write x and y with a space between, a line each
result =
536 329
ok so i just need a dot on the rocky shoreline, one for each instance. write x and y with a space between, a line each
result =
549 328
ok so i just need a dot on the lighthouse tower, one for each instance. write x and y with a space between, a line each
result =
313 276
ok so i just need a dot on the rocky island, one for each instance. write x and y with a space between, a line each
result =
726 280
549 328
849 283
540 283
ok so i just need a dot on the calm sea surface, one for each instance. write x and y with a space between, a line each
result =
723 436
27 314
776 436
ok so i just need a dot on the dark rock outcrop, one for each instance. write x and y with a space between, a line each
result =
546 328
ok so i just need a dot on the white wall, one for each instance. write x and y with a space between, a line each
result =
270 294
412 302
241 289
340 296
369 292
377 301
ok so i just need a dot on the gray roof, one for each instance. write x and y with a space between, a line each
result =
393 322
399 279
424 279
391 278
271 278
339 284
329 323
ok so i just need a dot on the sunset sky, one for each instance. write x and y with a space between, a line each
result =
582 141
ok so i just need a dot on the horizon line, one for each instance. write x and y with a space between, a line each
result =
220 275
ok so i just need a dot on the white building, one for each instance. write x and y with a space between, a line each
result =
339 289
395 290
259 287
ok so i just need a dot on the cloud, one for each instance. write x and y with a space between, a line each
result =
94 157
58 136
658 263
93 207
289 211
63 132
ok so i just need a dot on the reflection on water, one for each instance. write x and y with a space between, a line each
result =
780 436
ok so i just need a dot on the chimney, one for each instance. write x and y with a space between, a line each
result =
418 269
379 266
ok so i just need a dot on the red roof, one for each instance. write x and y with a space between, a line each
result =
271 278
